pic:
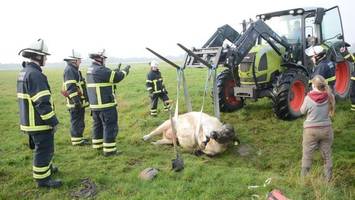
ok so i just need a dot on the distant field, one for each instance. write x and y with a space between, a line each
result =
276 150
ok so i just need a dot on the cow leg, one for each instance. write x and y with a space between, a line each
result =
158 131
163 141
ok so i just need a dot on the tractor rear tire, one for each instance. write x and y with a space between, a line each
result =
341 87
288 94
225 85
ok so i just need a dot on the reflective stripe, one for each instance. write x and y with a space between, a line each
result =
353 106
42 176
98 95
31 112
99 84
41 169
40 94
149 88
48 115
23 96
353 109
97 146
160 79
110 149
73 94
78 142
347 56
149 81
331 79
113 144
353 78
70 81
112 76
35 128
97 140
155 85
106 105
124 73
156 92
75 139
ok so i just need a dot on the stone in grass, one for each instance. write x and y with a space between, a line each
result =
148 174
245 150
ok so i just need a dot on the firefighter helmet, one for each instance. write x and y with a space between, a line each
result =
38 47
314 50
154 63
99 54
73 56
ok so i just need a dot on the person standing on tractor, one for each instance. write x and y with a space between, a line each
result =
156 89
101 91
37 115
74 89
319 106
322 65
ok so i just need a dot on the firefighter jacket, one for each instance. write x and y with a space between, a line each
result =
34 99
74 87
154 82
326 69
101 86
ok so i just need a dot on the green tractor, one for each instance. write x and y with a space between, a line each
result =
267 59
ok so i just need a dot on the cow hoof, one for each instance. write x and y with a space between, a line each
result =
145 138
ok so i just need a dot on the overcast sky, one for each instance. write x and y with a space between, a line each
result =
125 28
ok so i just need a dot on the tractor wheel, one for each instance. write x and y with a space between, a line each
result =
288 94
342 83
225 85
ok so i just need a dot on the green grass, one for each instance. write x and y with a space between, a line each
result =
276 150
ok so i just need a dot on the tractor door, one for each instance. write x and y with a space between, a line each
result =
331 27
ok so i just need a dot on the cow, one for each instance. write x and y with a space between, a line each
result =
213 137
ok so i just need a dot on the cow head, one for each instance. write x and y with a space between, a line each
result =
225 134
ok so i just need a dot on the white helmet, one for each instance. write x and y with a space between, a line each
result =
314 50
38 47
154 63
74 56
99 54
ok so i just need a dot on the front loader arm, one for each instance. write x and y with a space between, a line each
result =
222 33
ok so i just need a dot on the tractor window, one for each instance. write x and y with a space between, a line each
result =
331 26
287 26
311 32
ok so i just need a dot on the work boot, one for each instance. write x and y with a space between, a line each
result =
49 183
54 169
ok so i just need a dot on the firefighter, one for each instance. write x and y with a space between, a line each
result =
323 66
101 91
37 115
74 89
156 89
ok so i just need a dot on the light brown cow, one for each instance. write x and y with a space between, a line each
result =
212 138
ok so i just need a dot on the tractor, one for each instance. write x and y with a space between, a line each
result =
267 58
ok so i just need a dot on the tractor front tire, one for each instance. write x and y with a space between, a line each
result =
288 94
341 87
225 85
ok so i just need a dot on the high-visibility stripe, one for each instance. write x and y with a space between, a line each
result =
149 88
110 149
155 85
41 169
78 142
353 78
353 105
331 79
97 140
124 73
99 84
106 105
23 96
75 139
156 92
70 81
31 114
97 146
48 115
73 94
98 95
35 128
113 144
160 79
40 94
149 81
42 176
112 76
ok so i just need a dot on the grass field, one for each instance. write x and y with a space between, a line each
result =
275 150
